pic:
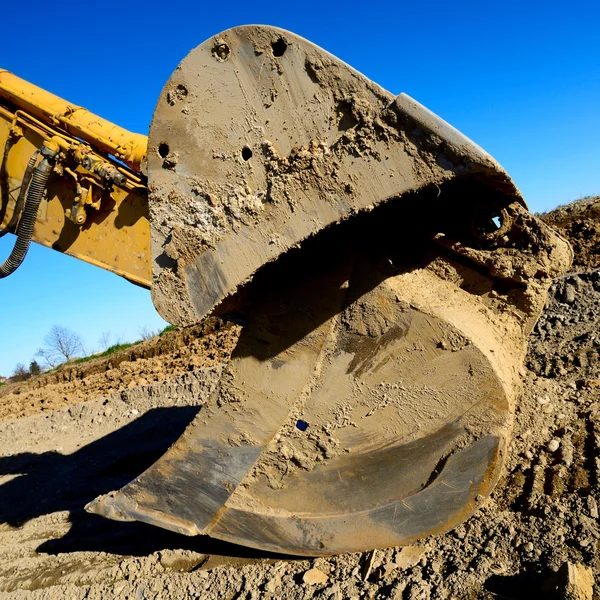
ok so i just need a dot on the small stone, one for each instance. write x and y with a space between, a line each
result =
437 566
544 400
315 577
409 556
570 294
134 411
499 568
528 547
553 445
368 565
108 411
592 507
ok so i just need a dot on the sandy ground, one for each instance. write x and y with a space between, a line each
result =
84 431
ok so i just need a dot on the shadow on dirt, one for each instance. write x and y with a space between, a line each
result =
52 482
524 586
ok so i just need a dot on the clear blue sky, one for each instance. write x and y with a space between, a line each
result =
522 79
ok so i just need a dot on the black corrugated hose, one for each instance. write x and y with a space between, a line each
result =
25 230
21 199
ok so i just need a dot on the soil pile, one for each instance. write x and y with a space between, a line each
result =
566 341
158 359
541 523
579 222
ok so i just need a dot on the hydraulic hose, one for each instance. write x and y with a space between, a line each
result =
39 180
20 200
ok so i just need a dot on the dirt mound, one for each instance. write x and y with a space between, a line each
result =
579 222
566 341
163 357
542 516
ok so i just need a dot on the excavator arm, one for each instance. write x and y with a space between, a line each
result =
385 269
94 203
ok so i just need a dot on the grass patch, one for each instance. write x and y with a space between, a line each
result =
83 359
167 329
107 352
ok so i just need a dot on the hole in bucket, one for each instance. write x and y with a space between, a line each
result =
279 47
221 52
490 223
246 153
163 150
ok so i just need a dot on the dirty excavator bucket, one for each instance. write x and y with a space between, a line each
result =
387 274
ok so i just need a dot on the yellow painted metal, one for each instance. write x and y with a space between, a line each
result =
75 120
115 234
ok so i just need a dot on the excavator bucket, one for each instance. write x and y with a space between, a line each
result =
387 274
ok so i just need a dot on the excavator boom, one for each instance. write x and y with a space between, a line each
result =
385 270
95 206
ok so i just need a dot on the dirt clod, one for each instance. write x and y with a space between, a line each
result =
409 556
315 577
553 445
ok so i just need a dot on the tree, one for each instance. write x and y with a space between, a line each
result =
147 334
34 368
104 341
51 360
20 373
62 344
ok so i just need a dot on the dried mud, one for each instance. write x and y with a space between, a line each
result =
542 514
259 141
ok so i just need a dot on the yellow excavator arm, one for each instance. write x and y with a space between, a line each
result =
385 268
94 201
